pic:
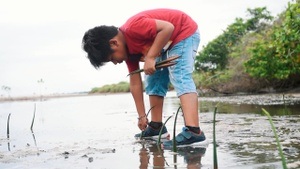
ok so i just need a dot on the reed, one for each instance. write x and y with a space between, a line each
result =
161 129
7 127
174 136
146 117
174 131
31 127
277 139
215 158
158 143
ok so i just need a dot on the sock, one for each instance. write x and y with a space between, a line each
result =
194 129
155 125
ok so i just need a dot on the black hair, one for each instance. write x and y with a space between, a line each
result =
95 43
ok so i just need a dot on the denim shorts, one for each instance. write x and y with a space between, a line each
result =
180 75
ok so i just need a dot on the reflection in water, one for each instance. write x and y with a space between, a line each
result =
8 145
244 136
33 138
250 138
192 156
152 155
234 108
145 154
7 132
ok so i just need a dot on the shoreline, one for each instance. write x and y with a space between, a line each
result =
238 98
46 97
34 98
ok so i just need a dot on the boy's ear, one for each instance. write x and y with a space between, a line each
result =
113 43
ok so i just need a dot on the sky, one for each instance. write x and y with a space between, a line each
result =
42 39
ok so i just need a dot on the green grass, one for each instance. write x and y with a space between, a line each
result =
160 131
174 131
277 139
120 87
215 158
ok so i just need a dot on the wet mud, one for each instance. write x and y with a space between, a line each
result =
97 132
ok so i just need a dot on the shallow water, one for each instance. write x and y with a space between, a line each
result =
97 132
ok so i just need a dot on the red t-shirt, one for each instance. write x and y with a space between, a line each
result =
140 31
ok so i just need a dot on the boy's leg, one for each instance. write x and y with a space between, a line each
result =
157 103
156 86
182 80
189 105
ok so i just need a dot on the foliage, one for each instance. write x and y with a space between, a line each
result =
215 54
258 19
278 56
253 53
6 88
112 88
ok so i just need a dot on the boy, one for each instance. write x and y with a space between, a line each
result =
143 38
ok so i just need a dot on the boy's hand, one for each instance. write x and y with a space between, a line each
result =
143 123
149 66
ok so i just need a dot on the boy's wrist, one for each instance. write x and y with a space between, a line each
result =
140 117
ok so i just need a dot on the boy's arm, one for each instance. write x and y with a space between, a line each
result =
164 32
136 89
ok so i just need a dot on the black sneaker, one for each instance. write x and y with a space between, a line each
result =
151 133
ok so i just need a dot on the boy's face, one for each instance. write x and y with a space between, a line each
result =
120 53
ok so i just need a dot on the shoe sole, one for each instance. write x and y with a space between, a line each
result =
203 144
163 136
